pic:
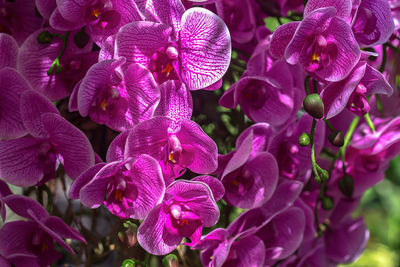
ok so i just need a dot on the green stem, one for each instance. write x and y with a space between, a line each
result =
147 259
317 201
347 138
314 163
237 68
314 86
56 62
369 122
307 84
379 105
342 150
329 125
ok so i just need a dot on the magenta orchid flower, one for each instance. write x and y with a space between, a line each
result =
198 56
239 17
352 92
35 60
18 19
187 207
129 188
34 158
117 97
174 148
102 17
231 246
12 85
34 239
250 178
373 23
271 98
320 49
8 51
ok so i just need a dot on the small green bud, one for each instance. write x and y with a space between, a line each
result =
128 263
81 39
171 260
327 203
314 106
304 139
346 185
336 138
324 174
45 37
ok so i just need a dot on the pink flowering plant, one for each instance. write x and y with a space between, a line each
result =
188 133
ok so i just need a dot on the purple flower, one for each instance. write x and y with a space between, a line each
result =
250 178
129 188
186 208
271 98
102 17
343 7
175 102
369 154
4 191
295 161
322 43
12 85
352 92
118 98
234 245
18 18
239 17
8 51
373 23
46 7
184 147
35 59
34 158
35 237
198 56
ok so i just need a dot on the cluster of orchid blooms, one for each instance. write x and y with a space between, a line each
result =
317 89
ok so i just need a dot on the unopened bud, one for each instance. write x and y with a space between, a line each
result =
44 37
324 174
171 260
304 139
346 185
314 106
336 138
129 236
81 39
327 203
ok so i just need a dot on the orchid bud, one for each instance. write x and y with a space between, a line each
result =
314 106
171 260
44 37
327 203
129 237
304 139
336 138
346 185
81 39
324 174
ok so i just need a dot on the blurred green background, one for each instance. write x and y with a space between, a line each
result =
380 207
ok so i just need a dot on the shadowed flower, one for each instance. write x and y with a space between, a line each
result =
129 188
35 237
